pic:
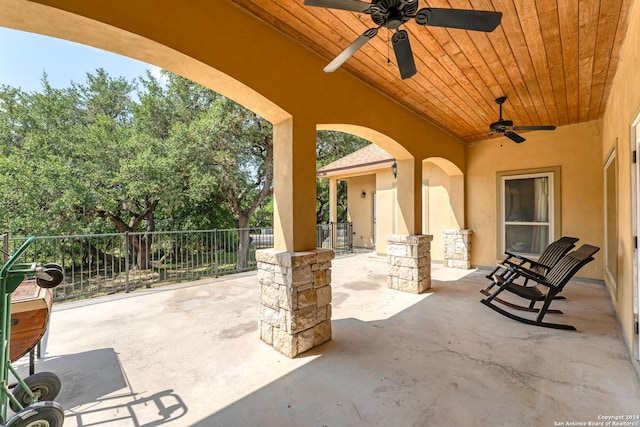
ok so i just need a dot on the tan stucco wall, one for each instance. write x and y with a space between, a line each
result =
360 210
386 210
623 107
444 203
576 150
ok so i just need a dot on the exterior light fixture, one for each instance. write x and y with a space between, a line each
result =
363 194
394 169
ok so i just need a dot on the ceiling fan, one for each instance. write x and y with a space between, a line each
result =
506 127
394 13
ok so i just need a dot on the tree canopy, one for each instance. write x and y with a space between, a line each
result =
109 154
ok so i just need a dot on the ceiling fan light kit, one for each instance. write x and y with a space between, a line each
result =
392 14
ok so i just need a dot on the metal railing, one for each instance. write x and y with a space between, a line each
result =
337 236
101 264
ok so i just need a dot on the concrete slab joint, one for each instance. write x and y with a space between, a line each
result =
409 262
457 248
295 299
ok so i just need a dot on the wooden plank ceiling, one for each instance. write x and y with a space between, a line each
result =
554 59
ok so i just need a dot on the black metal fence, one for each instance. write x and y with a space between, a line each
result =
100 264
337 236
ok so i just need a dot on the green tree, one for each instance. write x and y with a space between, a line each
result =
133 169
38 135
89 158
233 156
224 153
168 111
76 157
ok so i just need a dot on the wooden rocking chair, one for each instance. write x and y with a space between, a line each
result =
555 280
513 263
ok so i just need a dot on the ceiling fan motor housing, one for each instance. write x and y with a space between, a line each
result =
393 13
501 126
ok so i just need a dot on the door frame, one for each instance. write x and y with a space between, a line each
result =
635 196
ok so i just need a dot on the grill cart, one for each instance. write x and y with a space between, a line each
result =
30 398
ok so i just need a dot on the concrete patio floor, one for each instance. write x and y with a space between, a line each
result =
189 355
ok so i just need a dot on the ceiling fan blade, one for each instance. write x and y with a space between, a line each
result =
476 20
350 50
514 137
545 127
404 54
353 5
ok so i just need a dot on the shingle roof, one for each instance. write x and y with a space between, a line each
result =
370 155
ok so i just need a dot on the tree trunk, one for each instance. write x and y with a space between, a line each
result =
145 242
244 244
143 254
139 246
140 250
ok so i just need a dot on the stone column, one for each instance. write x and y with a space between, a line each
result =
457 248
409 259
295 299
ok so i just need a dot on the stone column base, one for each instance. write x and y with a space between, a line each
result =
409 259
457 248
295 299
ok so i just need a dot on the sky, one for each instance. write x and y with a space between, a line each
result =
25 56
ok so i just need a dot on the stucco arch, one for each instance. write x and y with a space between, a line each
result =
443 201
39 19
209 42
446 165
385 142
382 184
409 168
76 27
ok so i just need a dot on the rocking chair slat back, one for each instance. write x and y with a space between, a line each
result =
562 272
556 251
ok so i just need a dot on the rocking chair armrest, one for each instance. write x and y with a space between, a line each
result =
528 274
536 264
508 263
520 259
512 255
524 261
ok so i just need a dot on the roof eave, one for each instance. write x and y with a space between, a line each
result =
350 170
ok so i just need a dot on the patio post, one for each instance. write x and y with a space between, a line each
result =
409 259
333 209
294 185
294 277
409 251
295 299
457 248
409 196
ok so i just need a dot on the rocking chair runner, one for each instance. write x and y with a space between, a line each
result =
554 281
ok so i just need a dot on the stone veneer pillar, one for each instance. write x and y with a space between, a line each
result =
409 259
457 248
295 299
